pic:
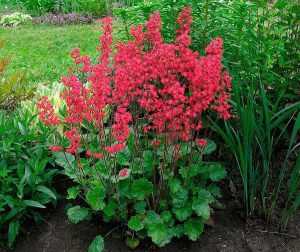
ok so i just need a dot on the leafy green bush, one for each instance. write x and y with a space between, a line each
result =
15 19
14 88
26 173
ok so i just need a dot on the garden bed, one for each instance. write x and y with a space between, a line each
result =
229 233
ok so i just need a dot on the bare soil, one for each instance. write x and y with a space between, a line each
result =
229 233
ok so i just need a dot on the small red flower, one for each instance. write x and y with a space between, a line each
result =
55 148
156 142
98 155
123 173
201 142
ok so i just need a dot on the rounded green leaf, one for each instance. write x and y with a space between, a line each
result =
182 213
97 245
96 197
77 214
141 188
159 234
135 223
201 207
193 228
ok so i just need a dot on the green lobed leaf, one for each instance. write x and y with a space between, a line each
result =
97 245
141 188
140 207
182 213
217 172
193 228
77 214
110 208
123 157
201 207
209 148
159 234
167 217
135 223
180 197
73 192
96 197
148 160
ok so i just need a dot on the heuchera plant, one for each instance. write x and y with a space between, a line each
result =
135 138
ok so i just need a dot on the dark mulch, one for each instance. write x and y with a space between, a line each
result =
229 233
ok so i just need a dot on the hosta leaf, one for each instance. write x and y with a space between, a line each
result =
96 197
33 203
159 234
97 245
13 230
193 228
46 191
135 223
77 214
141 188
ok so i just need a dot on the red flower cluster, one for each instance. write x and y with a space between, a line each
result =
123 173
75 140
168 85
46 112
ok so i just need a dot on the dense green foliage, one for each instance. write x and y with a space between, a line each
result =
26 173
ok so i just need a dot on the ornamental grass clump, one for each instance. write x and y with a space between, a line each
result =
134 132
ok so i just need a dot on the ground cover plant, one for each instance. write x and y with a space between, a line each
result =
134 137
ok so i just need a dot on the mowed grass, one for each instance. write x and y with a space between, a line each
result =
44 51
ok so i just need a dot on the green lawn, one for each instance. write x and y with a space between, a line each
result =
44 50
